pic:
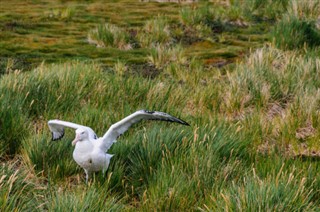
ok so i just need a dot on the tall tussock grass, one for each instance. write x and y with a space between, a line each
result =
283 85
270 75
155 32
52 159
285 192
309 10
294 33
298 26
93 199
165 166
85 94
193 16
12 131
161 56
199 22
265 10
109 35
18 192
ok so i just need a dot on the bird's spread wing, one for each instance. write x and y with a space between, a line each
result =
57 128
122 126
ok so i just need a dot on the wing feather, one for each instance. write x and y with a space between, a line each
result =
122 126
57 128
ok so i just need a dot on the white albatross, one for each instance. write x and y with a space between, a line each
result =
90 151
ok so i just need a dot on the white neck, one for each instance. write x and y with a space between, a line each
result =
84 146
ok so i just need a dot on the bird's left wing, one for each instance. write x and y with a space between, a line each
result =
57 128
122 126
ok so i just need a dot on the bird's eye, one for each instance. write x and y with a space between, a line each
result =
82 133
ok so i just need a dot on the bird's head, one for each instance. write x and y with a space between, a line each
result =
81 135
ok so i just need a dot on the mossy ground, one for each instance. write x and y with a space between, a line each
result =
34 31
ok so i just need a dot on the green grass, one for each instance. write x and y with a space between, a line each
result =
161 56
292 33
58 31
19 191
155 32
165 166
285 192
251 97
94 199
107 35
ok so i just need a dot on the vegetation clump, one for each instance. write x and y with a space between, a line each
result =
109 35
155 32
293 33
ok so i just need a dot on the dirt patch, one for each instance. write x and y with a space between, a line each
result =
217 62
133 35
145 70
189 36
217 26
306 153
275 109
14 25
305 132
240 115
10 26
267 147
302 152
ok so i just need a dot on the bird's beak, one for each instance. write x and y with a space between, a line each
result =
74 142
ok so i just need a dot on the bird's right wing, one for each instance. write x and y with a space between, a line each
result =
122 126
57 128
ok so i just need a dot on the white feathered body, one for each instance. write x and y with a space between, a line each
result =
89 155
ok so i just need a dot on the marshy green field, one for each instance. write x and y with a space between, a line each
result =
245 74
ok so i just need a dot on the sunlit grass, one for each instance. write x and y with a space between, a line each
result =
293 33
65 14
270 9
309 10
18 188
120 68
284 191
155 32
93 199
109 35
161 56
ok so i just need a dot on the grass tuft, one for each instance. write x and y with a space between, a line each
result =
109 35
120 68
304 10
17 191
13 122
95 199
285 192
161 56
293 33
155 32
53 159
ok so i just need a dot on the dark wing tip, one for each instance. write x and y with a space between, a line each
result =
182 122
54 138
168 118
185 123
